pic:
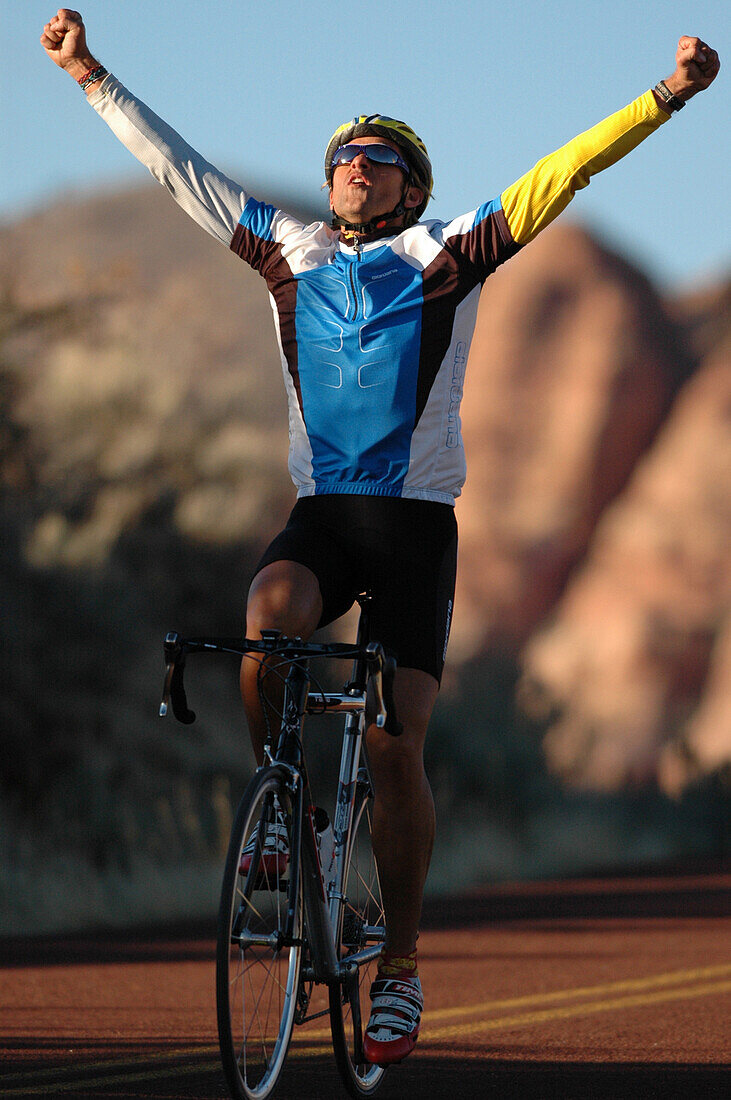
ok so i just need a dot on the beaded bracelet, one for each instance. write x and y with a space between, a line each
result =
90 76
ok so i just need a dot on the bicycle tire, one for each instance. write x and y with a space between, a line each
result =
362 907
257 983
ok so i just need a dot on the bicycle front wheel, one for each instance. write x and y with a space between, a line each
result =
259 940
362 927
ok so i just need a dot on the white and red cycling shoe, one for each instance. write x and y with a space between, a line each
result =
274 851
393 1027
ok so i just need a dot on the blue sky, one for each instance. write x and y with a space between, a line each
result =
490 87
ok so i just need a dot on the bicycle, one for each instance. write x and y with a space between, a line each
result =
301 914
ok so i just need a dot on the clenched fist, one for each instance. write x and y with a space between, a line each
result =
696 67
64 40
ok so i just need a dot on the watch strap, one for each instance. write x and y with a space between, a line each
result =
670 100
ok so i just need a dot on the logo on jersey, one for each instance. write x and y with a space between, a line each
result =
455 395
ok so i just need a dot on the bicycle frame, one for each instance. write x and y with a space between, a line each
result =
323 900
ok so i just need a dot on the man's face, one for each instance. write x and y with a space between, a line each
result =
362 189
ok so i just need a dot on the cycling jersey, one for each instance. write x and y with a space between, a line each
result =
373 340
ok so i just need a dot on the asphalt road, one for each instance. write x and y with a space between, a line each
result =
592 988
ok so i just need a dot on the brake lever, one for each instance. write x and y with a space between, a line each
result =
171 649
380 682
375 703
165 702
173 690
392 724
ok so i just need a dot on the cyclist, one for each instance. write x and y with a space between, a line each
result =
374 314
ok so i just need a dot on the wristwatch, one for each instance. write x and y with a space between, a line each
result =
670 100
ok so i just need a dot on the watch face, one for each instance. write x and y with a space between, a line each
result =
669 98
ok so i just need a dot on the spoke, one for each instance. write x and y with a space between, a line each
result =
256 1019
262 962
254 1034
248 902
239 975
275 988
361 905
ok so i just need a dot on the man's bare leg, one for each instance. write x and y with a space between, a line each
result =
283 596
403 812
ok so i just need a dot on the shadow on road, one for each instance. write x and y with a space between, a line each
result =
427 1077
423 1077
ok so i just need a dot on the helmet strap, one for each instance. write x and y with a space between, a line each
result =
380 221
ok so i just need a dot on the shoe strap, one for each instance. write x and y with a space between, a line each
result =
276 837
394 1025
389 994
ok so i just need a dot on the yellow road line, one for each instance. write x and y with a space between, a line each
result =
628 985
460 1031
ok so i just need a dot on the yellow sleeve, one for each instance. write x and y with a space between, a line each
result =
540 195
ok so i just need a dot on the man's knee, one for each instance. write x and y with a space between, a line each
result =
284 596
397 758
415 693
394 757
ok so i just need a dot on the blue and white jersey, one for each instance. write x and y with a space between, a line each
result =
373 342
374 345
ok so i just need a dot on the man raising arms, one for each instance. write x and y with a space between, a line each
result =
374 315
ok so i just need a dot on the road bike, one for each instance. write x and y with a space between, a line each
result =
300 901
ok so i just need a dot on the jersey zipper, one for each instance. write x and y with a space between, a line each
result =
353 282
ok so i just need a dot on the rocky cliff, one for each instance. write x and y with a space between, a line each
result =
596 520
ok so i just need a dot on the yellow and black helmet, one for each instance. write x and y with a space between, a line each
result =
413 147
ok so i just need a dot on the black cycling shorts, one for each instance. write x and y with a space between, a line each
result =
403 551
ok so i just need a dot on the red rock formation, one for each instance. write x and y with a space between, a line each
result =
706 747
637 658
572 369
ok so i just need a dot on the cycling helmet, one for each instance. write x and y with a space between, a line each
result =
409 142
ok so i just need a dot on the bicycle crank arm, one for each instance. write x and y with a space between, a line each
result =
362 958
274 940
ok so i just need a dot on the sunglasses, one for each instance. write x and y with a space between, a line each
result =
379 154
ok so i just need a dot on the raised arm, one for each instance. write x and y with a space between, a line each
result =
540 195
213 200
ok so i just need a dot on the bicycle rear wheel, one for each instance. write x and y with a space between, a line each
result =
362 925
258 956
